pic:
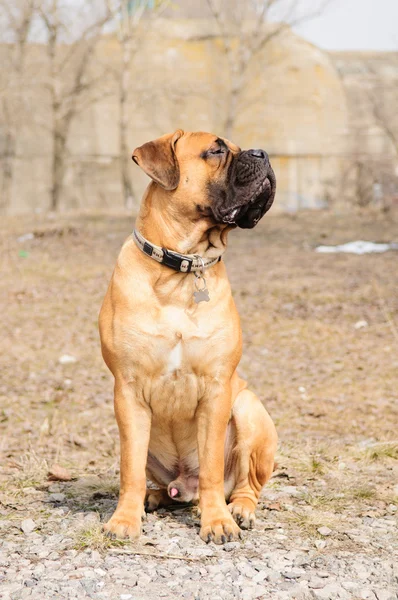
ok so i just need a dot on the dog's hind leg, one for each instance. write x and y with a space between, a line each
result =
157 499
252 459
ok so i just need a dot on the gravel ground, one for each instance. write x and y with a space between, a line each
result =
55 560
320 349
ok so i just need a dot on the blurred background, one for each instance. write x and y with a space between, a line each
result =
82 84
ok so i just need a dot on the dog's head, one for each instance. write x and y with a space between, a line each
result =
210 177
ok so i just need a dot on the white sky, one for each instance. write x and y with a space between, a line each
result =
354 25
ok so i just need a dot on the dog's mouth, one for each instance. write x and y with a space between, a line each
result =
248 214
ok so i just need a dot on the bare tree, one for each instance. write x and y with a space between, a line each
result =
247 27
128 16
383 100
16 17
371 169
71 41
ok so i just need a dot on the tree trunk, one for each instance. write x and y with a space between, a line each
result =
7 180
124 151
8 165
11 119
232 108
58 167
237 78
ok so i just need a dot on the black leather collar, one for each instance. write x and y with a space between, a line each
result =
185 263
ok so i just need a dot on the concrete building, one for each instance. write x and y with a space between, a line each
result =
299 103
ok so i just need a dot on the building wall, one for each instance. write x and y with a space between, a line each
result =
294 105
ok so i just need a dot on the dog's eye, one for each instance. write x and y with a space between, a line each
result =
218 151
215 152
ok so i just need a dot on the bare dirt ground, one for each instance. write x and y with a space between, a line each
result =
326 523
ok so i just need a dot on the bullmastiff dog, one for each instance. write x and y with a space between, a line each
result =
171 336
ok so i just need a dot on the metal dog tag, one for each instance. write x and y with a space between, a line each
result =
201 294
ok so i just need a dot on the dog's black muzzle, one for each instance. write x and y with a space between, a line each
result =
251 189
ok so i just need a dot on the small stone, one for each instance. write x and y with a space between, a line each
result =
125 596
248 593
57 497
28 525
302 561
293 573
260 591
361 324
144 579
316 583
54 488
329 592
91 517
260 577
230 546
349 585
366 594
95 555
273 576
201 551
130 581
67 359
245 569
320 544
385 595
58 473
324 530
290 490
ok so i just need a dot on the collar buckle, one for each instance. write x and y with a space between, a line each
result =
176 261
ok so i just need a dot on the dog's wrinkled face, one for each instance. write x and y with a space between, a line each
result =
211 177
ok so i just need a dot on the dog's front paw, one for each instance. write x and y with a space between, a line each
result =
243 513
219 530
123 526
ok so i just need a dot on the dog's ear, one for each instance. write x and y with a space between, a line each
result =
158 160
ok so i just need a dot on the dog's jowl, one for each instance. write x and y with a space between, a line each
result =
171 336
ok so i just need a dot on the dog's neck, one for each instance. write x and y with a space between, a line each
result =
162 224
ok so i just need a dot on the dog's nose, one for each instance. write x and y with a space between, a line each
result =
258 154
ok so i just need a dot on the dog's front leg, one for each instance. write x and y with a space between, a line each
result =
133 416
212 419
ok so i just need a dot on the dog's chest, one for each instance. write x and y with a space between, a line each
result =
174 342
178 380
176 355
174 360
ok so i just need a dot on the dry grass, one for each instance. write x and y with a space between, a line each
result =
382 450
93 537
30 470
310 521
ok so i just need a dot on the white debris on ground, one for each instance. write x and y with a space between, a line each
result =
358 247
67 359
361 325
26 237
